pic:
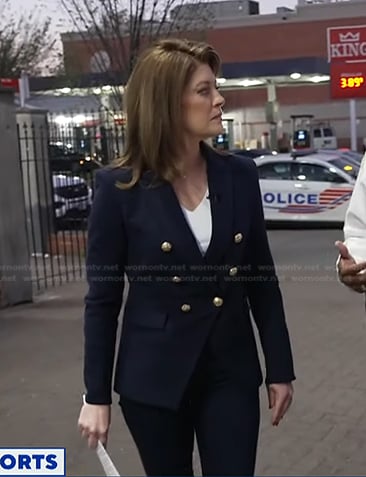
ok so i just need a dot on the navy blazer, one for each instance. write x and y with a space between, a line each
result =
178 297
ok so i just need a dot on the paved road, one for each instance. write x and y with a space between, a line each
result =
40 372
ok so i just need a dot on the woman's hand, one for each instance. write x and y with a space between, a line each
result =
350 273
279 399
94 421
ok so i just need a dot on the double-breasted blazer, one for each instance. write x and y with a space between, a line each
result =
177 297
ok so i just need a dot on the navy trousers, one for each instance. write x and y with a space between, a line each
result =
222 412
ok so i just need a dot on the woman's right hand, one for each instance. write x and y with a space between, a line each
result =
94 421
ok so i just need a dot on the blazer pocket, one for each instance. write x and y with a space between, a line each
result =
154 319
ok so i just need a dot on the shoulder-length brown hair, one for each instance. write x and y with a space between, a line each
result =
154 105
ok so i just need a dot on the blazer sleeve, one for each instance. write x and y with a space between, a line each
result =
355 220
265 297
105 276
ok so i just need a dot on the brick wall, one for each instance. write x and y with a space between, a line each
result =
277 41
239 44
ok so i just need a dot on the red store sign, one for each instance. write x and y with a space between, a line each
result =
12 83
347 58
347 43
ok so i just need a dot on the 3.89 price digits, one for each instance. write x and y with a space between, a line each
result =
352 82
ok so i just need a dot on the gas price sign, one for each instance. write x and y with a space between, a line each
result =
352 82
348 80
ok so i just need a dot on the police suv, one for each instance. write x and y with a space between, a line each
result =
311 186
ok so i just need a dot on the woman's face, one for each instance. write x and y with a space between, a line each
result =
202 105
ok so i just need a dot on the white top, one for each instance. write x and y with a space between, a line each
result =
355 220
200 222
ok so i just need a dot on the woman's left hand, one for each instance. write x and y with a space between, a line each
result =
280 398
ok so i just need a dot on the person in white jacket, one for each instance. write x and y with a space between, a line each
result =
351 263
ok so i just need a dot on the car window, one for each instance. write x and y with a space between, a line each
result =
317 133
315 172
352 156
275 171
346 165
55 150
328 132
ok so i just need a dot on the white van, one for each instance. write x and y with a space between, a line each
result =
324 138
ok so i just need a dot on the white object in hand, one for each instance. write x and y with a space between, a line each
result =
107 463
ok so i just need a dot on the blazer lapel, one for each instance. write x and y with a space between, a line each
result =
173 225
220 185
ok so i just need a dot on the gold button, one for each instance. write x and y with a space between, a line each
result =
233 271
217 301
185 307
238 237
166 246
176 279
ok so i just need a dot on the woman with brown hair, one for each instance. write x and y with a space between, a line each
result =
185 224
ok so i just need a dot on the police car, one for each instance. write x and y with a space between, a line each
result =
309 186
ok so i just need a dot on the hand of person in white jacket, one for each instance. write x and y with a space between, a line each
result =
350 273
351 262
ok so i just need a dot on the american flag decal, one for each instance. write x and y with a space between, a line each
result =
334 197
328 199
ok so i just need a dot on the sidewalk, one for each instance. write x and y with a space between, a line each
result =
325 433
41 381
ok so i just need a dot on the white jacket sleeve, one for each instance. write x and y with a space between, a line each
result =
355 220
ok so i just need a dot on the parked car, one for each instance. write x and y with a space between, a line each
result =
72 197
349 155
313 187
253 153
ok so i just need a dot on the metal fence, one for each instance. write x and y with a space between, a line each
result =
59 155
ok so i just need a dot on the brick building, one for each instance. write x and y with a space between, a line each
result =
273 65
